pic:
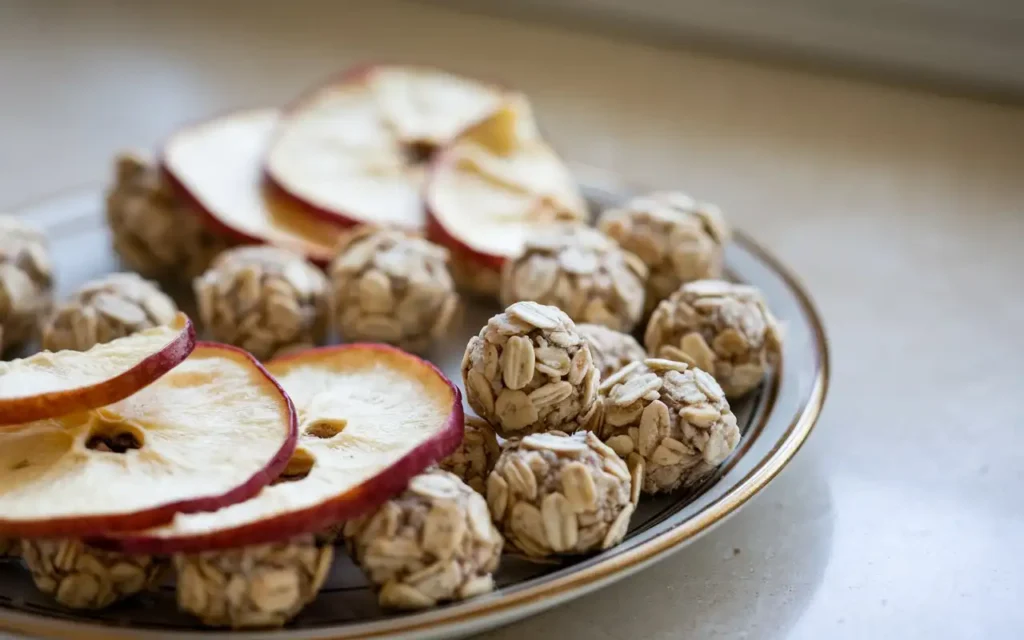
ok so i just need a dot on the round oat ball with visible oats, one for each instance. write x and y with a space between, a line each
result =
723 328
26 282
529 370
81 577
254 587
155 232
433 543
670 422
266 300
110 307
679 239
582 272
610 349
475 457
552 493
389 286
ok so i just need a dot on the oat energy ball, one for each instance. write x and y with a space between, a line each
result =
610 349
26 282
557 494
252 587
433 543
263 299
392 287
670 422
529 370
154 231
677 237
81 577
581 271
723 328
110 307
475 457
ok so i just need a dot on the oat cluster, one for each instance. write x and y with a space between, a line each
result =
529 370
552 493
110 307
263 299
26 282
670 422
433 543
610 349
679 239
723 328
154 231
476 455
581 271
252 587
80 577
389 286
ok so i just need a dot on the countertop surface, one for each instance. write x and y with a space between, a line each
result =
903 517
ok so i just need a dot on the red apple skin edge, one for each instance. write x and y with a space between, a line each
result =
437 234
355 73
211 221
85 527
359 500
58 403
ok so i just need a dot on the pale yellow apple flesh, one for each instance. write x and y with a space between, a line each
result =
51 384
212 431
218 166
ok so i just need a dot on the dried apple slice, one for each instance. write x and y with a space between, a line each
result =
371 418
354 151
50 384
211 432
217 166
497 185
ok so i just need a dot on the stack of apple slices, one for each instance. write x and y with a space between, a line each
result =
496 185
415 148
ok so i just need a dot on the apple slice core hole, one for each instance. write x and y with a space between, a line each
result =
325 428
114 437
298 467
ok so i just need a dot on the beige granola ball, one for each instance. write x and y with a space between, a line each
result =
392 287
475 457
253 587
552 493
679 239
670 422
723 328
582 272
110 307
81 577
433 543
263 299
610 349
154 231
26 282
529 370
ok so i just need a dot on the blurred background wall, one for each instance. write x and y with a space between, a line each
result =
957 45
